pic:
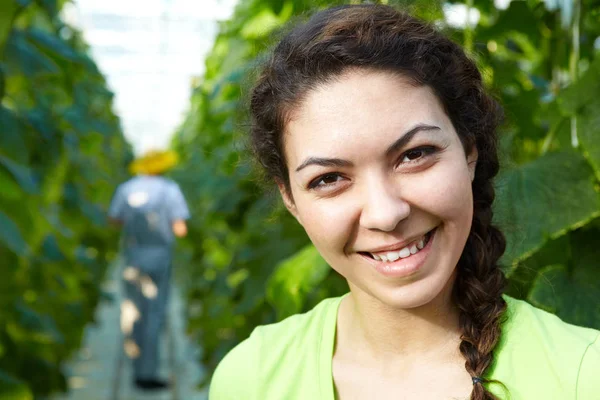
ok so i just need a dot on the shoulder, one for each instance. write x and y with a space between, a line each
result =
236 373
588 383
128 184
273 355
525 319
539 350
169 184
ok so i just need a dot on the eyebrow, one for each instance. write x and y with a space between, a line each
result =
407 137
324 162
398 144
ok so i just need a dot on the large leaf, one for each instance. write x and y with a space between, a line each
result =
583 91
544 199
572 292
524 274
294 278
589 132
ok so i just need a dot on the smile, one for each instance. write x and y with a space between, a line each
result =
404 262
407 251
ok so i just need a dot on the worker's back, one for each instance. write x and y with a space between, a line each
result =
148 205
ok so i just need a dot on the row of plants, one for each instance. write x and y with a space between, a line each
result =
62 153
250 263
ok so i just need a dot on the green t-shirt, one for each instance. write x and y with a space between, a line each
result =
538 357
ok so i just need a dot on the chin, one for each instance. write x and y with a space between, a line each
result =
419 293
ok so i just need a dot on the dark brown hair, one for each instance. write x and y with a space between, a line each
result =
377 37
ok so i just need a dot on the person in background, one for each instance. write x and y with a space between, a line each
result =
152 212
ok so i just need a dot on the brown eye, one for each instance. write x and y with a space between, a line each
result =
417 154
325 180
413 155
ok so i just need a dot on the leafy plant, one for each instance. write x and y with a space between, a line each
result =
61 154
250 262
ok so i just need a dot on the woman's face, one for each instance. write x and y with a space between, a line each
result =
381 184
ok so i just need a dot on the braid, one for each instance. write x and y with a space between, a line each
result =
480 282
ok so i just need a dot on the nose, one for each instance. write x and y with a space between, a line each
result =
384 207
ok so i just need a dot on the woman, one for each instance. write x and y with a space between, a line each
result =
381 138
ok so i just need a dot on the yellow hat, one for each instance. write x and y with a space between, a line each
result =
154 162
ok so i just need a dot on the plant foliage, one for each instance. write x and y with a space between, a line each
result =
61 154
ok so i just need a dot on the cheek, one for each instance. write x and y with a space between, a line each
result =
328 223
445 192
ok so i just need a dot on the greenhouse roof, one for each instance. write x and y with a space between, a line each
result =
150 52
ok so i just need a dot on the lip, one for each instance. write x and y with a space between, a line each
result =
403 267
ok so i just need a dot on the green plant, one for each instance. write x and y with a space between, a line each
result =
62 153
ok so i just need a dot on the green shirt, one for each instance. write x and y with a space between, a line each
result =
538 357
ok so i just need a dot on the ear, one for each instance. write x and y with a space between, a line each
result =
472 161
288 200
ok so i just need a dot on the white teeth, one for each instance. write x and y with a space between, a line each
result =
405 252
393 256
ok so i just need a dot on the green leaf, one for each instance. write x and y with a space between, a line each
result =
53 44
23 175
41 326
51 7
41 120
573 293
13 389
583 91
9 9
589 133
9 189
11 237
294 278
2 81
23 57
518 17
523 275
12 143
260 25
544 199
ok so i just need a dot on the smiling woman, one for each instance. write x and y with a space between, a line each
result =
381 138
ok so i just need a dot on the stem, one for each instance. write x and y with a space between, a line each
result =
469 28
573 63
551 135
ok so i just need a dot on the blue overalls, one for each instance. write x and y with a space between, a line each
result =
147 206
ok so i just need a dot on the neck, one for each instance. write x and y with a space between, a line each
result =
378 330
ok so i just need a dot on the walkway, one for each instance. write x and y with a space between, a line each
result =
101 371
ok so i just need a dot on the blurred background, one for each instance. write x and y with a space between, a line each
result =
87 85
